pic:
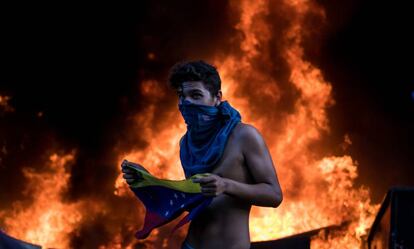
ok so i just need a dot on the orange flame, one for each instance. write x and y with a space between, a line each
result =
4 104
327 196
48 220
319 189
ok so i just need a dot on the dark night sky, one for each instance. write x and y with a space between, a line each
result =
81 66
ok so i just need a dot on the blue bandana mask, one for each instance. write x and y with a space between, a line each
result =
208 129
201 120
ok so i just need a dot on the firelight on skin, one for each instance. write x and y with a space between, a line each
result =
244 175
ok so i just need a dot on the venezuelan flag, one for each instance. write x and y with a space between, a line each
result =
165 200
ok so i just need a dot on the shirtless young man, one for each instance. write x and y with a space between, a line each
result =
244 175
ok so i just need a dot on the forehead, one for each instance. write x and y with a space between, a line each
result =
192 85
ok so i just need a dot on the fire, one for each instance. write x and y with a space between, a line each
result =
289 109
4 104
161 154
48 220
318 188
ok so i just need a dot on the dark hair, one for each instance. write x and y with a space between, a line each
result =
195 71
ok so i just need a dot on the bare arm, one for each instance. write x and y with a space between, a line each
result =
266 190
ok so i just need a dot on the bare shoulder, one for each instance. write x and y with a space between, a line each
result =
246 131
248 135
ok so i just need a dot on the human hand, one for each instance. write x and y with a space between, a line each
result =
212 185
129 174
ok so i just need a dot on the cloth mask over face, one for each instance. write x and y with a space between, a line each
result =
208 129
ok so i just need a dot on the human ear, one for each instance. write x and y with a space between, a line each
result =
218 97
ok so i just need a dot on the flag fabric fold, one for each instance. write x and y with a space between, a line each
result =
165 200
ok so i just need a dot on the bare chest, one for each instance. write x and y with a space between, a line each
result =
225 220
232 164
